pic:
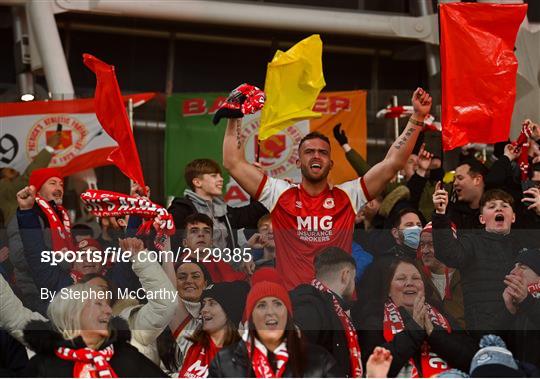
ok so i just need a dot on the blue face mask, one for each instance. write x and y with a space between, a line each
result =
411 237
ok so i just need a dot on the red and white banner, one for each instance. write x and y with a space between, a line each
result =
25 128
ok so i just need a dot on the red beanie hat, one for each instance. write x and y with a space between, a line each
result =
40 176
266 274
265 289
89 242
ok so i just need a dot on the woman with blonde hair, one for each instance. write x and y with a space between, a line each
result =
82 340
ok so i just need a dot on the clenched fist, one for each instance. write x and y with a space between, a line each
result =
26 198
421 102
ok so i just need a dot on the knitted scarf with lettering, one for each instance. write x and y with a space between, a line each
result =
60 229
112 204
197 360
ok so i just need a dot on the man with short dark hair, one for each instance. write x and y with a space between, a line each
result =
321 308
469 185
407 226
313 215
197 232
205 182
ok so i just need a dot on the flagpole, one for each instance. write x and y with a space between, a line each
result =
130 117
396 128
258 150
396 119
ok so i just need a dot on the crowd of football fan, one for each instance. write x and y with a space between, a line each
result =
409 271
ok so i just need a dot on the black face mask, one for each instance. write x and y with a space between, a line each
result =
436 174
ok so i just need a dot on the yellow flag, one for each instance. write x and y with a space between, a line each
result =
294 79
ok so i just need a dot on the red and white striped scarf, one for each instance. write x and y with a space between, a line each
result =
88 362
259 358
112 204
350 332
60 229
430 362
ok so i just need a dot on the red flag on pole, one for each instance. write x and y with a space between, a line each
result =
113 117
478 71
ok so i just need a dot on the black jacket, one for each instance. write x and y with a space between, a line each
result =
314 313
465 218
524 338
483 259
236 218
233 362
502 174
456 348
126 361
13 356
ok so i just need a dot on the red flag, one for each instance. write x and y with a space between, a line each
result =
478 71
112 115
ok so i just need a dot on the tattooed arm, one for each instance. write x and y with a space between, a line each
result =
245 174
379 175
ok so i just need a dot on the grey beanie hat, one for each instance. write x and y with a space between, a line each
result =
494 360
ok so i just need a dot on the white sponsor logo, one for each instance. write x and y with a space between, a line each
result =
314 223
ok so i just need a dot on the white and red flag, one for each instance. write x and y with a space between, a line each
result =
25 128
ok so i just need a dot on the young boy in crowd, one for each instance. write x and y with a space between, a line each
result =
483 257
204 195
197 246
262 246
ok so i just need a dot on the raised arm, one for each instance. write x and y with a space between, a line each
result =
45 274
235 162
379 175
357 162
147 322
450 250
180 311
